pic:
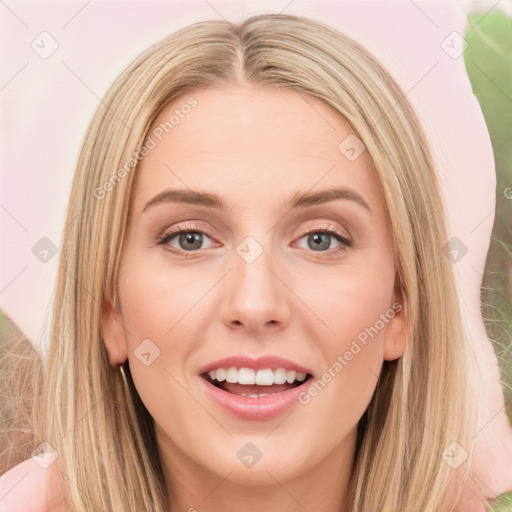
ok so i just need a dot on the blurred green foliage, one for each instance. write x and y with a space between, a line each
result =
503 503
488 62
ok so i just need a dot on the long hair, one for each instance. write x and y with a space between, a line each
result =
108 458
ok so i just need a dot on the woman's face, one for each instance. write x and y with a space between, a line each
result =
275 273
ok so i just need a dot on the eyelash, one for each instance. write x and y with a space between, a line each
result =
169 235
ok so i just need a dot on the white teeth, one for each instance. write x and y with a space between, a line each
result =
280 376
249 376
246 376
290 376
265 377
232 375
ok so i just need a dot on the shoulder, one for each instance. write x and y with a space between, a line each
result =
25 487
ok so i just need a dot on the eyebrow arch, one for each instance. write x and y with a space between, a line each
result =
214 201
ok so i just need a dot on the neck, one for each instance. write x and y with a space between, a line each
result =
321 487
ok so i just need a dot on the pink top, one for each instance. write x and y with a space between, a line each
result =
23 488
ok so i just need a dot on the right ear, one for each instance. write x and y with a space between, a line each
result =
114 334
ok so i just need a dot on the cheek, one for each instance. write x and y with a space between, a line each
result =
156 299
351 308
161 316
350 300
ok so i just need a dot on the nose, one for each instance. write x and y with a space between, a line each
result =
256 296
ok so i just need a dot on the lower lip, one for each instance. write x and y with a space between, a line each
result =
263 408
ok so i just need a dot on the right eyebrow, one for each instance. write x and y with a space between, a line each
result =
187 197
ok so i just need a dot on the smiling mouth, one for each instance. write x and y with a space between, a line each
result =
265 383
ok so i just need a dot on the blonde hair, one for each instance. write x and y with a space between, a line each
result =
108 458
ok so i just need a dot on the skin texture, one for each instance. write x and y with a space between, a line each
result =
256 147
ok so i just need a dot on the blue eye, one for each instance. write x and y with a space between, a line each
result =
319 240
188 240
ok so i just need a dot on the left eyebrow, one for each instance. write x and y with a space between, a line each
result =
325 196
214 201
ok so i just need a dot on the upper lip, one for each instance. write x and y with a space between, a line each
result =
259 363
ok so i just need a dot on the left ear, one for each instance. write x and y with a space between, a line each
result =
396 329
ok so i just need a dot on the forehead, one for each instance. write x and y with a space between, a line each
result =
250 142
